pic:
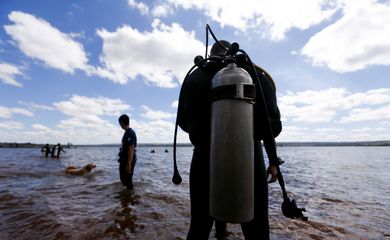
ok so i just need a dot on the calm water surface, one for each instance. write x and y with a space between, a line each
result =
346 192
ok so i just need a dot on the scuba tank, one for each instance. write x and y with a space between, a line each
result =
44 152
232 145
55 152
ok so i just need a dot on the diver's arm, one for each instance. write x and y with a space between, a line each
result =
130 158
270 121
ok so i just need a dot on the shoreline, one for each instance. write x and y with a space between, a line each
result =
385 143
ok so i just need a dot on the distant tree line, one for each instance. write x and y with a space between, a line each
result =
280 144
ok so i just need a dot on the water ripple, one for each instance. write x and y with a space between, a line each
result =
344 190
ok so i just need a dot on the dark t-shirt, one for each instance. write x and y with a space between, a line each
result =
129 138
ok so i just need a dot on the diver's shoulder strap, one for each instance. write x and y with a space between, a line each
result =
268 140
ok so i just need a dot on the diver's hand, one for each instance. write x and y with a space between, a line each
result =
273 171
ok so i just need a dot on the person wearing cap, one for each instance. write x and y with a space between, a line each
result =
127 153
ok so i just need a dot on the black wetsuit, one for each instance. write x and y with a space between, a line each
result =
46 149
129 138
194 118
56 151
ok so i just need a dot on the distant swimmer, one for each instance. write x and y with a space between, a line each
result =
72 170
166 150
152 151
45 150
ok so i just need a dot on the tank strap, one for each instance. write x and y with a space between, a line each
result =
231 91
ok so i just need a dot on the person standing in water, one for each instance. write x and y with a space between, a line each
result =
127 153
194 118
56 151
45 150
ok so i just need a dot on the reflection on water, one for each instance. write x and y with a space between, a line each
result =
124 218
345 191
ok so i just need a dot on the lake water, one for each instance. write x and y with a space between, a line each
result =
345 190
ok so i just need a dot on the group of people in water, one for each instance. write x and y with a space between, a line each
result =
53 151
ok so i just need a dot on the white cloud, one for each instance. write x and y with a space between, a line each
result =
87 123
34 106
40 127
142 7
355 41
358 40
156 131
157 56
162 10
5 112
82 135
22 111
332 104
367 114
78 7
175 104
328 130
155 114
312 106
370 97
38 39
87 112
158 128
9 125
293 133
273 18
84 106
84 121
8 112
8 72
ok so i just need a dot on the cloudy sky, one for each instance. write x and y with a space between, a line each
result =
68 69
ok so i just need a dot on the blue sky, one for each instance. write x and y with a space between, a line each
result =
68 69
